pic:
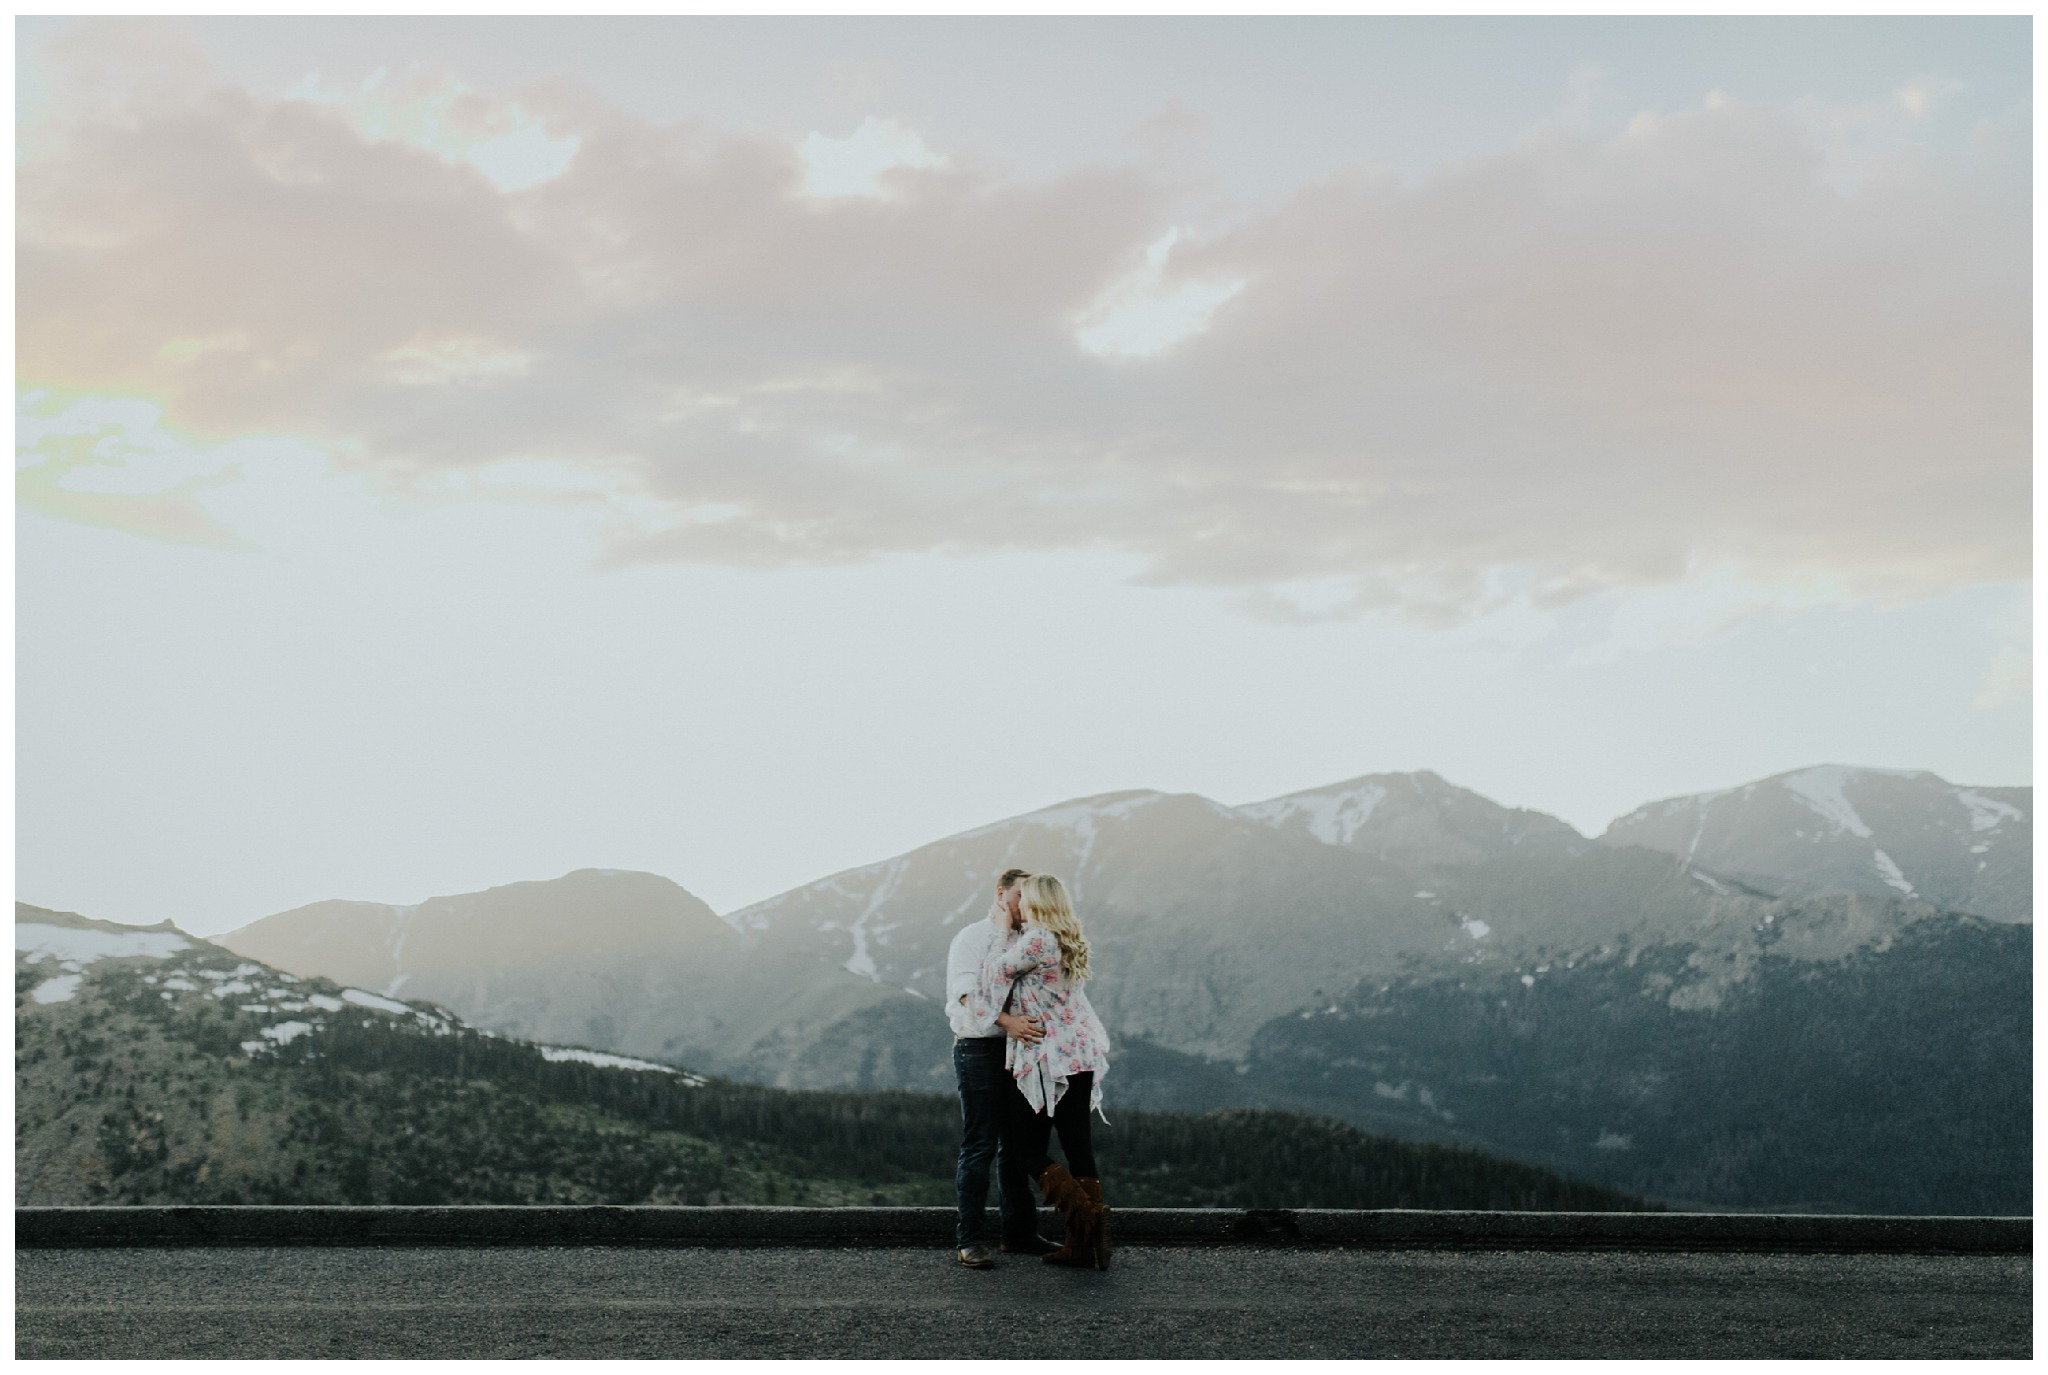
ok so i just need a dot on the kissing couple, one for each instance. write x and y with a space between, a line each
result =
1030 1054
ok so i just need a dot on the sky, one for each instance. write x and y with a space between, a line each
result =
453 452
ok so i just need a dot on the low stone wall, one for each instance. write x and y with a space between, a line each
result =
648 1226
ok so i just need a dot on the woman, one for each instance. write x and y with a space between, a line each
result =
1039 974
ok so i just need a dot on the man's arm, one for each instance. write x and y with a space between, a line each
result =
1014 1025
963 970
965 960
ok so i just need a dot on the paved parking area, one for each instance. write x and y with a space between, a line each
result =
1231 1302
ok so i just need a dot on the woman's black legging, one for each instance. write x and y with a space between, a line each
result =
1032 1131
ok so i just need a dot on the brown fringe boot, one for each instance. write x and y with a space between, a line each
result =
1065 1193
1092 1188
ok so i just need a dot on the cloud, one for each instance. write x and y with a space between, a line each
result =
433 111
2009 676
856 165
1587 87
1140 316
110 464
1584 363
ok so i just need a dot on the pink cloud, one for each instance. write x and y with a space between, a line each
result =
1596 361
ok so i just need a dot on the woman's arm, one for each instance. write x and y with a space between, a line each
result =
1036 947
1000 970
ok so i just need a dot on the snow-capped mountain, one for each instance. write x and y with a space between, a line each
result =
1417 818
1373 950
1832 828
1211 921
54 951
1207 922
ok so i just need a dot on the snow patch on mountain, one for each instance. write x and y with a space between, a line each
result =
1987 813
1708 881
861 962
1888 870
77 945
1081 819
284 1033
1332 817
362 999
1671 806
57 990
967 905
401 927
605 1061
1820 788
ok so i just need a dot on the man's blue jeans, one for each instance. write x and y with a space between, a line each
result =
988 1095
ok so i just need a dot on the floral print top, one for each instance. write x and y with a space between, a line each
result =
1075 1040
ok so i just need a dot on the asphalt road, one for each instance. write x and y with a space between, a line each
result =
1156 1302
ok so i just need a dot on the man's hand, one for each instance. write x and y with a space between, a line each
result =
1020 1028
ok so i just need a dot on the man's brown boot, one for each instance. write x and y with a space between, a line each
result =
1092 1189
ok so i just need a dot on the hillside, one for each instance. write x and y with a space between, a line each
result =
153 1067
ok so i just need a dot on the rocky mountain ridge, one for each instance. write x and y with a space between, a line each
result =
1210 920
1217 927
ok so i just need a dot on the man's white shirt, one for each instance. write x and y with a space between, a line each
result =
964 959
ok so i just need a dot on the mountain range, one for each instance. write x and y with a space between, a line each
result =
152 1067
599 957
1227 935
1839 830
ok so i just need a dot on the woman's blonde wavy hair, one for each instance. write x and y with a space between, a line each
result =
1045 903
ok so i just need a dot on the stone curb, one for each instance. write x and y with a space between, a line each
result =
652 1226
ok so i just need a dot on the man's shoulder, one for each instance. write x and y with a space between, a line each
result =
979 933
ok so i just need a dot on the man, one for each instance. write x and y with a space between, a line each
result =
988 1095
